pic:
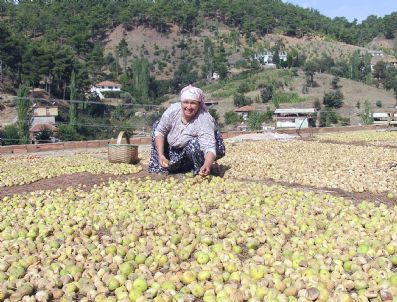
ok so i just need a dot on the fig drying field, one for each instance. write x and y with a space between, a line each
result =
272 225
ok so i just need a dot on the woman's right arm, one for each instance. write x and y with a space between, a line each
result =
161 132
160 141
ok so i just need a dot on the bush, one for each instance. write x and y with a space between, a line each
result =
344 121
266 93
111 94
333 99
243 87
255 120
9 135
44 137
214 114
327 118
378 104
232 118
240 100
68 133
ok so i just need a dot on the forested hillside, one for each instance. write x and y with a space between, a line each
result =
153 48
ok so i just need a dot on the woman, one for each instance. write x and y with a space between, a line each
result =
186 138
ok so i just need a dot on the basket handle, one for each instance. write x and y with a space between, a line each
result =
120 137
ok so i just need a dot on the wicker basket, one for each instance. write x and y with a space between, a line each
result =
123 153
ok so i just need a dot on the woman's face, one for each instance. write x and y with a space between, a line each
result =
190 108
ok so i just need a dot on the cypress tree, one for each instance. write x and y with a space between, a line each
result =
23 114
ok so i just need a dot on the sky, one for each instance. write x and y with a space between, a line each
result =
350 9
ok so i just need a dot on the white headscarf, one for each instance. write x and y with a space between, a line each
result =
193 93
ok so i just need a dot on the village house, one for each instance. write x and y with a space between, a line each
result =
387 117
43 118
100 87
244 111
296 118
266 57
376 53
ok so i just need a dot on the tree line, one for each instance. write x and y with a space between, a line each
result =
45 40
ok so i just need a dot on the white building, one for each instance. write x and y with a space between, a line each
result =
385 118
296 118
98 88
266 57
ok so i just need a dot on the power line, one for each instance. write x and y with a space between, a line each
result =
58 101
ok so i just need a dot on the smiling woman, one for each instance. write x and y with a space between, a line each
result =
186 137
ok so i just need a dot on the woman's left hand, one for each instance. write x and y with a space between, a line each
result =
205 170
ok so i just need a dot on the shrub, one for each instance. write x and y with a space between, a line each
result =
378 104
327 118
266 93
333 99
68 133
367 117
255 120
111 94
240 100
232 118
9 135
214 114
44 136
243 87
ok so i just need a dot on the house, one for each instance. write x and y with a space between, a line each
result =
100 87
389 117
376 53
43 118
210 103
44 112
266 57
36 129
215 76
296 118
244 111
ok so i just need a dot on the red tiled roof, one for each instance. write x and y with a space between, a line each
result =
245 109
107 83
42 127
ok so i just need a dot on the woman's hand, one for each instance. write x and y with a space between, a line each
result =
205 170
164 162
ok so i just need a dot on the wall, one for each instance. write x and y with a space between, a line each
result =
83 144
147 140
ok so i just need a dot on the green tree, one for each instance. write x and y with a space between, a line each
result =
23 106
123 52
255 120
333 99
240 100
68 133
266 93
9 135
367 117
208 67
141 81
73 98
232 118
44 136
310 70
335 83
214 114
379 72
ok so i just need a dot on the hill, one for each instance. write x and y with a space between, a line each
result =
153 48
